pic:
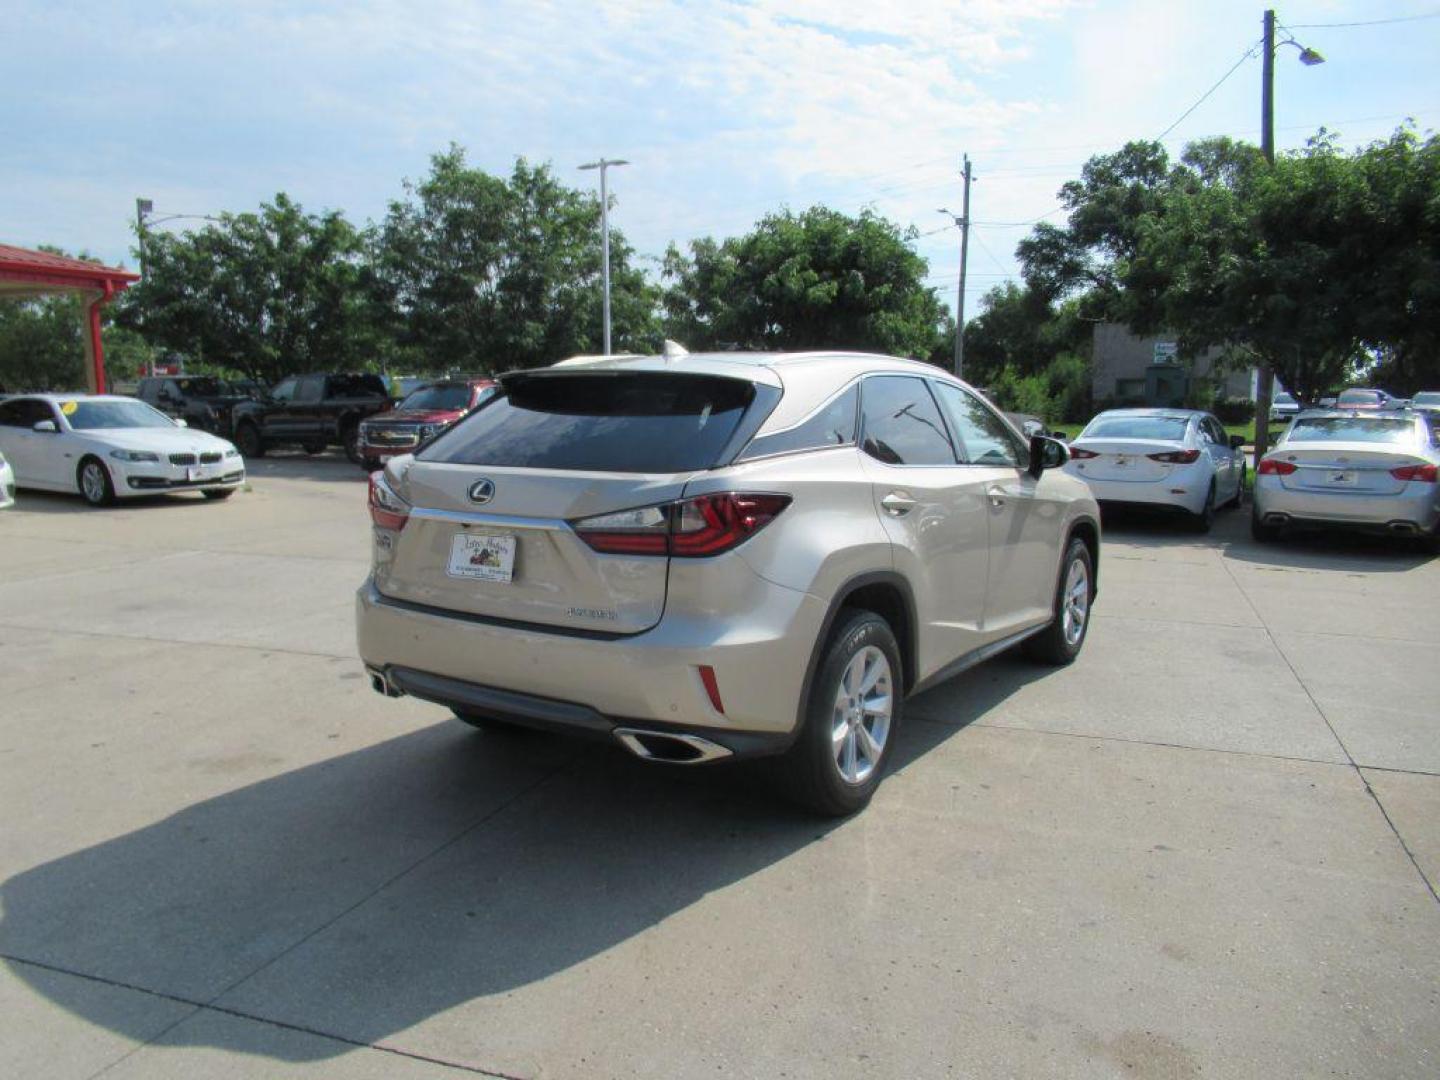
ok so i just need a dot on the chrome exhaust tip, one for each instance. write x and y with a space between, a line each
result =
670 748
382 685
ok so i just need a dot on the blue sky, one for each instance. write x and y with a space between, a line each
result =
726 109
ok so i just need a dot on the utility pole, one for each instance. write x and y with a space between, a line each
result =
962 222
964 257
602 165
1265 377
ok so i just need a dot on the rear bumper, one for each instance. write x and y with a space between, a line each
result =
1153 493
1415 510
595 683
569 717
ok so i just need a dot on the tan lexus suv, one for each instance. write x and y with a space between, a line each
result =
720 556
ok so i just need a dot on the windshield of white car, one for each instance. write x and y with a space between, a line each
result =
1371 429
446 398
94 415
1426 397
1284 399
1166 428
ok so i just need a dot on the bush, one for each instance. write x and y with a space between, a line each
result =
1233 410
1059 393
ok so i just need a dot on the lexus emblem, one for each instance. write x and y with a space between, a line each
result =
482 491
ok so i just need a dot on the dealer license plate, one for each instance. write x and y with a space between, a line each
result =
485 558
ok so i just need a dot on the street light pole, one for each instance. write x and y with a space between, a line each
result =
602 165
142 207
1265 375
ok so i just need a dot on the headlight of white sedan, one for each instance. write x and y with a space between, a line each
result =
134 455
231 452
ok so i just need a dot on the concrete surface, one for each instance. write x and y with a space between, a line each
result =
1208 849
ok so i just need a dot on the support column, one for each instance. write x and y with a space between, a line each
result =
94 347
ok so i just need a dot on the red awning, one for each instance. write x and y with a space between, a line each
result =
25 273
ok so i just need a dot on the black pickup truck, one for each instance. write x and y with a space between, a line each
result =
312 412
201 401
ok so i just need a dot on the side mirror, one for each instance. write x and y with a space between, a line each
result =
1046 453
1237 441
46 426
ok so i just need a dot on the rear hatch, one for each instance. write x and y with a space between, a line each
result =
1125 446
492 499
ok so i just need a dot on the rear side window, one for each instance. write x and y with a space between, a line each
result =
832 425
902 424
1351 429
626 423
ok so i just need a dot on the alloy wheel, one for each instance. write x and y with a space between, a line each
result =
1075 602
860 719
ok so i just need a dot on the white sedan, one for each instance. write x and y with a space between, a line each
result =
108 447
7 484
1175 458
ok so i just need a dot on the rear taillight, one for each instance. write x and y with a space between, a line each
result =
1077 454
1176 457
387 509
1421 471
690 528
1275 467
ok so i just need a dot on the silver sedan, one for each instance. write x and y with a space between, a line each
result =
1378 471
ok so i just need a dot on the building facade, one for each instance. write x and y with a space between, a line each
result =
1131 370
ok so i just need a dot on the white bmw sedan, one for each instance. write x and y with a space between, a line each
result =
1174 458
108 447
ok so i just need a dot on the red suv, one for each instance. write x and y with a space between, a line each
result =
421 414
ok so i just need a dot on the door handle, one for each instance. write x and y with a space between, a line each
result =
997 496
897 504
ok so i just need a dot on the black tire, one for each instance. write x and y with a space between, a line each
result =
93 480
1058 644
248 440
371 464
811 770
313 448
1202 521
350 438
1261 532
218 493
1234 504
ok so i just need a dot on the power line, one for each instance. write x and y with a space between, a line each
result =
1245 56
1369 22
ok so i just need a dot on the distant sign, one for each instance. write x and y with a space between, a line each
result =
1166 352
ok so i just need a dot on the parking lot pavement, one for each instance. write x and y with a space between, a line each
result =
1200 851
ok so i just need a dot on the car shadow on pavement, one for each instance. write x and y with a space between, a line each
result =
1331 550
361 895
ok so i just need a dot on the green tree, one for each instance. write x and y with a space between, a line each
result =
42 340
818 279
474 271
1311 265
267 294
1021 328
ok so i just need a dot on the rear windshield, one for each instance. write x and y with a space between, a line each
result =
448 397
1169 428
1426 397
1358 397
1372 429
626 423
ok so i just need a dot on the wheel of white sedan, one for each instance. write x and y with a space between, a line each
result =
94 482
1202 521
